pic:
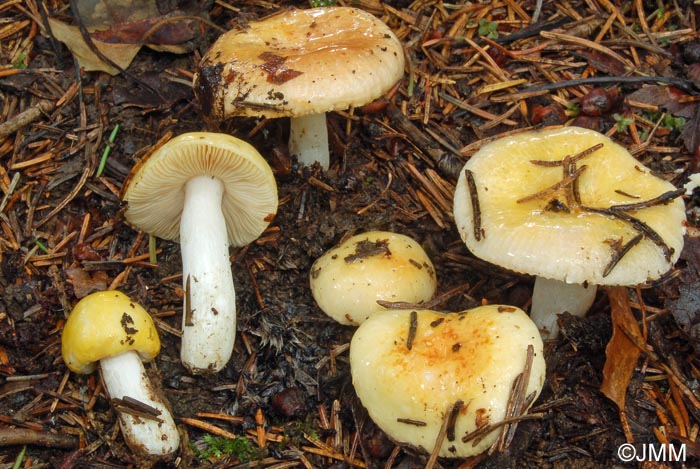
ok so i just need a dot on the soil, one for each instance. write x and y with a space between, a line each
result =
394 167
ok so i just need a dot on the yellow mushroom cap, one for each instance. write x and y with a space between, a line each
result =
410 368
521 221
347 280
106 324
299 62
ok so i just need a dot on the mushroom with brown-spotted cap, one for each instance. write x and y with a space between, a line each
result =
348 280
109 329
573 208
209 191
300 64
418 372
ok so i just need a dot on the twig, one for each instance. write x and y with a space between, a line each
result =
424 304
571 159
412 327
23 436
618 254
25 117
637 224
213 429
445 161
686 85
105 154
518 402
566 181
516 408
435 453
662 199
135 407
476 208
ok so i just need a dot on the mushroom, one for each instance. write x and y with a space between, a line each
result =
573 208
349 279
208 190
300 64
108 328
418 372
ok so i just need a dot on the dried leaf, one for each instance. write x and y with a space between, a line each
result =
84 283
665 97
690 133
621 354
603 63
691 250
120 54
118 29
138 22
670 100
101 14
686 308
155 33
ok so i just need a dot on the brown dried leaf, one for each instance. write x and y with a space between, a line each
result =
670 100
603 63
690 133
118 29
621 354
158 33
665 97
84 283
120 54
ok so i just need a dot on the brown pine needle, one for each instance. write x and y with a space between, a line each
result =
213 429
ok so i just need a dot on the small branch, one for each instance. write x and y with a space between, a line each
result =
412 327
618 254
24 118
573 158
446 162
24 436
637 224
476 208
566 181
686 85
662 199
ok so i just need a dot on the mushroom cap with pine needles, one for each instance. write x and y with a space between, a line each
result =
569 204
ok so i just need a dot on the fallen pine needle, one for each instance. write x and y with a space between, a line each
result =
213 429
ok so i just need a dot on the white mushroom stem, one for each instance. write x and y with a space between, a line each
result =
553 297
209 312
308 139
125 377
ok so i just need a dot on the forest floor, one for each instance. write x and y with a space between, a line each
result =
476 72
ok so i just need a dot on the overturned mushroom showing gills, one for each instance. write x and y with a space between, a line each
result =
300 64
209 191
420 371
349 279
108 328
573 208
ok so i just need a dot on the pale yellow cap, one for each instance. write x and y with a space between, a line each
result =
347 280
299 62
409 372
539 237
